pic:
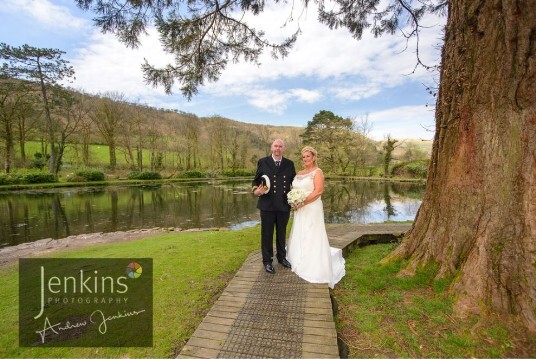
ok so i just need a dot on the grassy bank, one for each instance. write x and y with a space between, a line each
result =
383 315
127 182
189 270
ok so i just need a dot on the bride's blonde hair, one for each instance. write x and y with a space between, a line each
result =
313 151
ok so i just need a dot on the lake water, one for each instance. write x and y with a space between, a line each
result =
26 216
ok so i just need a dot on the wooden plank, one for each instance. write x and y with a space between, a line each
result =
199 352
307 355
205 343
218 320
209 334
324 317
223 314
314 323
320 331
213 327
320 340
327 311
321 349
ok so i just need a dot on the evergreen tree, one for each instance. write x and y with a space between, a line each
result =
46 68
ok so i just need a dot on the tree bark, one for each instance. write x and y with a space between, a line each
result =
478 216
8 133
22 145
113 158
49 122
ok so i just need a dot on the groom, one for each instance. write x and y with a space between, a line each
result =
275 211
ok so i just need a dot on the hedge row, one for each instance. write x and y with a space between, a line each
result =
413 169
27 178
144 175
86 176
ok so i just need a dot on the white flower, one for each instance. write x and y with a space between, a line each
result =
296 196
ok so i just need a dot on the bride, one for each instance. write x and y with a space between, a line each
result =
308 247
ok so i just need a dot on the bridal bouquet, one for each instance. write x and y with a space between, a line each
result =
296 196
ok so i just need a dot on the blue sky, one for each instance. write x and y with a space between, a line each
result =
327 70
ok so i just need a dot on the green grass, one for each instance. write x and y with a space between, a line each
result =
190 270
99 155
383 315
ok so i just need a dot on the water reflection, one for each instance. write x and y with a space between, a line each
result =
30 215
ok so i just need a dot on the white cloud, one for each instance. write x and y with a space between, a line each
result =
304 95
332 56
105 64
272 101
403 122
356 92
49 14
276 101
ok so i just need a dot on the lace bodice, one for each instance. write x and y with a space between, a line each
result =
305 182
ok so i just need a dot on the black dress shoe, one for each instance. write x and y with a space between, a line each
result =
269 268
284 263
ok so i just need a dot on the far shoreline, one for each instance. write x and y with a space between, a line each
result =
126 182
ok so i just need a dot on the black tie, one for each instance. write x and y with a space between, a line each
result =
277 163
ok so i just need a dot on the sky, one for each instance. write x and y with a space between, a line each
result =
371 78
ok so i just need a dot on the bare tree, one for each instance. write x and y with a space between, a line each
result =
192 130
108 116
71 107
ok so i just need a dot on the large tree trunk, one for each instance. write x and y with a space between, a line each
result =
111 151
478 217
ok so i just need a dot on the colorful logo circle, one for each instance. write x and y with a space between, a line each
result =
134 270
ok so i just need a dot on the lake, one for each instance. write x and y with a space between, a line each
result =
29 215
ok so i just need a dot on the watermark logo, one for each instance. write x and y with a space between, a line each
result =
134 270
85 302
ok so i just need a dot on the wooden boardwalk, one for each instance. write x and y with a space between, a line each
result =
261 315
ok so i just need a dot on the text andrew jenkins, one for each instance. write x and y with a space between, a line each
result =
85 302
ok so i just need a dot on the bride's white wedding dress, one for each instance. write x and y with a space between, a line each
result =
308 249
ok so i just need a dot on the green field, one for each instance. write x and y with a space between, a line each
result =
190 270
384 315
99 155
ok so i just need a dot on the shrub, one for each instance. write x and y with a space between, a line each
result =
27 177
150 176
193 174
39 177
372 171
144 175
133 175
414 169
88 176
10 178
74 178
4 179
39 161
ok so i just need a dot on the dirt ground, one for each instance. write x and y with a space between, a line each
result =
11 254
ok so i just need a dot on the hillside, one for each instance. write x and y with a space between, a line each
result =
106 131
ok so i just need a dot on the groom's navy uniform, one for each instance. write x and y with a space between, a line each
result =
275 210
